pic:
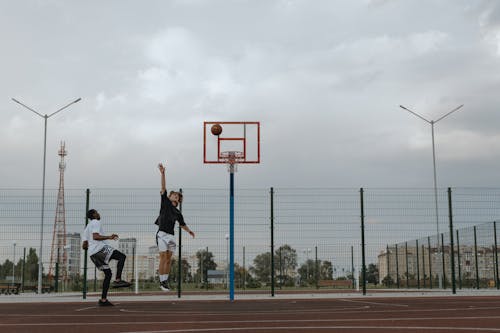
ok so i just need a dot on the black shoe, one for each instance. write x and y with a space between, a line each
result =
105 303
164 286
121 284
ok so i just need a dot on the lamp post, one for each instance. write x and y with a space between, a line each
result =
432 122
45 117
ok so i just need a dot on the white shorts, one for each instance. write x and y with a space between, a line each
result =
166 242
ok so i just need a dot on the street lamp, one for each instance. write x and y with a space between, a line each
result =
45 117
432 122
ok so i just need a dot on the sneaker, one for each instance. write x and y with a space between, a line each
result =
121 284
105 303
164 286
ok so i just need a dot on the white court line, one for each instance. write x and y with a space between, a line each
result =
184 314
373 303
91 307
248 321
308 328
270 312
83 309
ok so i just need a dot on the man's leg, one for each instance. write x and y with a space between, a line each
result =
163 270
168 262
162 265
120 257
105 284
117 255
99 261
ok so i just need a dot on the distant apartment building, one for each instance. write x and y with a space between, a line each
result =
73 252
128 246
425 261
153 260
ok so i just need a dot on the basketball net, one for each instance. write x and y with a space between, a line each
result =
232 158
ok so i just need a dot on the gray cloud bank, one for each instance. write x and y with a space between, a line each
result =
325 78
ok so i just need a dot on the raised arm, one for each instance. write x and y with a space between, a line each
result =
163 183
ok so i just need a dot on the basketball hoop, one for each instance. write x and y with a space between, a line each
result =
232 158
231 143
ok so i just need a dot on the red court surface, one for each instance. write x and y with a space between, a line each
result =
368 314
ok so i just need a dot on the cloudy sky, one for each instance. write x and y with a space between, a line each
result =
324 78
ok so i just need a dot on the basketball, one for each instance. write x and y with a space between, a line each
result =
216 129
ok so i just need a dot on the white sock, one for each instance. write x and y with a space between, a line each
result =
163 277
166 277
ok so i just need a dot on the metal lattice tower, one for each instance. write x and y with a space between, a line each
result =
58 253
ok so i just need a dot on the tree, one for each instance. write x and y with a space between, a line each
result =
6 269
285 263
307 272
206 262
326 270
372 274
32 265
186 270
242 276
262 267
388 281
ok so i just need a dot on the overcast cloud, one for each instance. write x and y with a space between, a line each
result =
325 78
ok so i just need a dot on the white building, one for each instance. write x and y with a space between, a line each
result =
128 246
73 252
153 262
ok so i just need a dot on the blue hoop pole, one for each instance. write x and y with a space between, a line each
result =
231 233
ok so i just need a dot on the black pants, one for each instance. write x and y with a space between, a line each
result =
116 255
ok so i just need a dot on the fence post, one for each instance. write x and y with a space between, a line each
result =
418 265
280 270
497 284
316 268
423 265
458 261
352 267
87 205
475 256
179 257
244 270
23 270
407 269
452 254
430 260
388 266
272 242
442 261
397 267
363 264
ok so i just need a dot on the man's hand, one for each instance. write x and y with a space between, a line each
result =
191 233
161 168
85 245
114 236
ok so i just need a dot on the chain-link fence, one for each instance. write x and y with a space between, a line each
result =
285 238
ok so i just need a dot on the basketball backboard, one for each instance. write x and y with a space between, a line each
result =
239 141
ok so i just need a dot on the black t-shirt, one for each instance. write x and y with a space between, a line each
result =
168 215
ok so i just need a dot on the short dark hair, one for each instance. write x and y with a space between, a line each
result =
90 213
178 193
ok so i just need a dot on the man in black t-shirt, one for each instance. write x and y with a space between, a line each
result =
165 235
